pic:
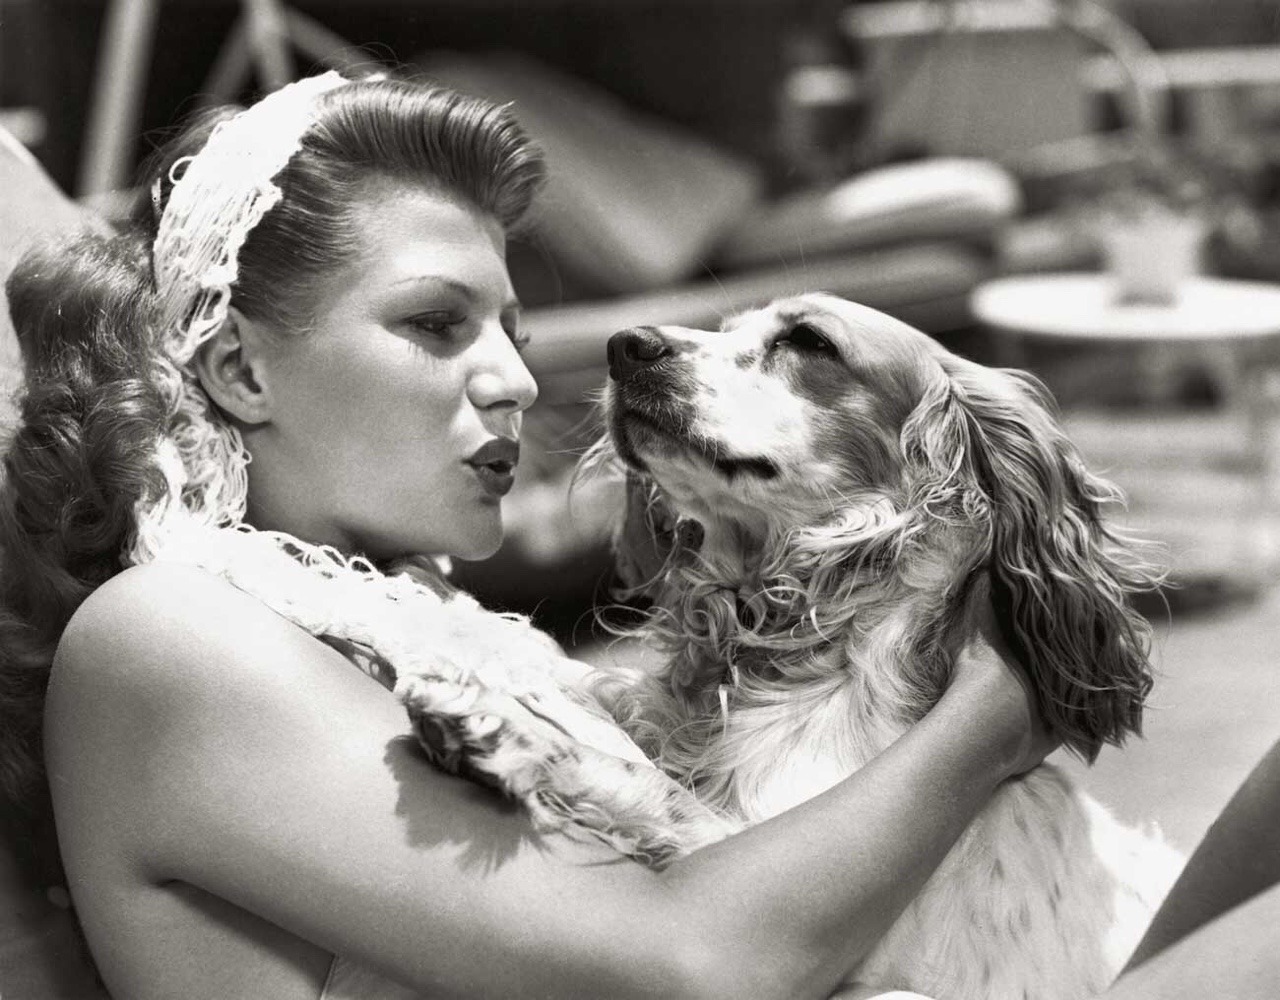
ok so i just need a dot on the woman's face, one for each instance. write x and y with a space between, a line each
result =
394 420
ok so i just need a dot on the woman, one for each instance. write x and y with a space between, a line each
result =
236 805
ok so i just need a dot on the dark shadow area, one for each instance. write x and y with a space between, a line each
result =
488 827
42 949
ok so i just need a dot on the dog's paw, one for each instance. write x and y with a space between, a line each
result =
516 745
493 736
453 729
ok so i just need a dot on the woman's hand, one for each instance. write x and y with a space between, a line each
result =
1002 698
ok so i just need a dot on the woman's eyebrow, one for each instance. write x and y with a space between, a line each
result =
470 292
436 279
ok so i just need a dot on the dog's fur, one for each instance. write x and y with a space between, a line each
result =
825 499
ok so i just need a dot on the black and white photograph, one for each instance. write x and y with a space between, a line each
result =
639 499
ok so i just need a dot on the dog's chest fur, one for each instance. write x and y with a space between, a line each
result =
1043 898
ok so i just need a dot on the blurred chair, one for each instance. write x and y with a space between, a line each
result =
1000 77
262 39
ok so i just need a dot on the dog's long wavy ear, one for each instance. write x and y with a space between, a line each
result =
643 537
1061 575
645 529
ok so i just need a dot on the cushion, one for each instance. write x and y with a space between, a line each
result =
631 203
934 199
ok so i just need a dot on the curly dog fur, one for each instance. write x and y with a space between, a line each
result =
822 501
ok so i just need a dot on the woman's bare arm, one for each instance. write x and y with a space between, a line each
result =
1236 955
1218 932
264 769
1239 857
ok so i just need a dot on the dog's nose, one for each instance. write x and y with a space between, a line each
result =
631 350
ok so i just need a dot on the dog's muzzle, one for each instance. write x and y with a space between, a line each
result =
634 350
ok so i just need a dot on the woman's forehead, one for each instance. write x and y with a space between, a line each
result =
409 234
391 215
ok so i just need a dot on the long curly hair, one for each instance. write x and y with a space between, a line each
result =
104 412
78 462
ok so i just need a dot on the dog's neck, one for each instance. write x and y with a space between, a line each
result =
834 656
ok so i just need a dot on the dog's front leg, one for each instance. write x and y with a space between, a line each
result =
508 742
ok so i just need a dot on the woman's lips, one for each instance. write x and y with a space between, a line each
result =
494 480
494 463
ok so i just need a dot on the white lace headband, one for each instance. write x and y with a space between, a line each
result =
219 195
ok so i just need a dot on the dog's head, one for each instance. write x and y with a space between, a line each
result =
816 423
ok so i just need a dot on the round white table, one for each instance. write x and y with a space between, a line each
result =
1233 327
1086 307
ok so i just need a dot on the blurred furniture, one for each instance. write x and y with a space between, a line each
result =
117 95
273 38
1202 482
262 38
999 77
1213 87
970 78
21 83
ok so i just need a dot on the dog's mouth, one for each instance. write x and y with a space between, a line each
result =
636 432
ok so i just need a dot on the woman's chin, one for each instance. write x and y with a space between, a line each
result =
469 542
476 553
478 544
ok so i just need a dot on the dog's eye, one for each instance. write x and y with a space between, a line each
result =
807 338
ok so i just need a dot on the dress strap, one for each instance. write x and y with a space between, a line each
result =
364 657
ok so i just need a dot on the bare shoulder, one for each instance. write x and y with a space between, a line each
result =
164 667
162 633
154 613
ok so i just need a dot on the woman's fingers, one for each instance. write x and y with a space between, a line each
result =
1005 698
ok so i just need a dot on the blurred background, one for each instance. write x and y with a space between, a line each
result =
708 155
1087 189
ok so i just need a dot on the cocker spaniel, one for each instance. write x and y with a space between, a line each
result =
824 501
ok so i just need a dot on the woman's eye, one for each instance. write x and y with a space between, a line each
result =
435 324
806 338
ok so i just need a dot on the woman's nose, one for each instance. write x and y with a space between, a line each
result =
504 380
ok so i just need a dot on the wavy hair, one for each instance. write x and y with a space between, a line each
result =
110 428
77 464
